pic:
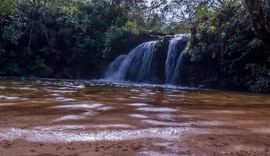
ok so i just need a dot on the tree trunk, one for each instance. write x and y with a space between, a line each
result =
256 14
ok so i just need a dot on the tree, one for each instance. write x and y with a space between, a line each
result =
255 10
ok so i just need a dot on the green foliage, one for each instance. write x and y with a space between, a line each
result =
117 37
258 79
219 31
223 42
7 8
60 34
162 44
114 37
12 34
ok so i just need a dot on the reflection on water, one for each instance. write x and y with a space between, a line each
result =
64 111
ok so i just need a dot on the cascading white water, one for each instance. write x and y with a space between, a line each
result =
138 65
177 68
114 66
172 65
134 66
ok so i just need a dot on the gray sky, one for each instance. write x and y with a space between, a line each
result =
149 2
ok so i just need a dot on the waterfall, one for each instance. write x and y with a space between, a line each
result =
177 68
142 64
173 64
135 66
114 66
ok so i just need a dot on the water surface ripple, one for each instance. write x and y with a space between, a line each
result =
129 119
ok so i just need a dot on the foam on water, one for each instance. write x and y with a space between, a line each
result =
161 123
168 133
59 127
104 108
62 91
136 97
165 116
139 116
154 153
26 88
79 106
138 104
90 113
70 117
63 99
156 109
12 97
80 127
113 126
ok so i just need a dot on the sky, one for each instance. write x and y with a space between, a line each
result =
149 2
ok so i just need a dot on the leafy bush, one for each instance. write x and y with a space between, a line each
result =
115 36
258 79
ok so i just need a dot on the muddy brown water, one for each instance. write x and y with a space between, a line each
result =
60 117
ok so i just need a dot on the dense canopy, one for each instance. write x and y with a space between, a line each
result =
230 39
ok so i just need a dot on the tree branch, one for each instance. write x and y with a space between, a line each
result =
244 54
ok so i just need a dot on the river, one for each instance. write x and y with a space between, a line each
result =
76 117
